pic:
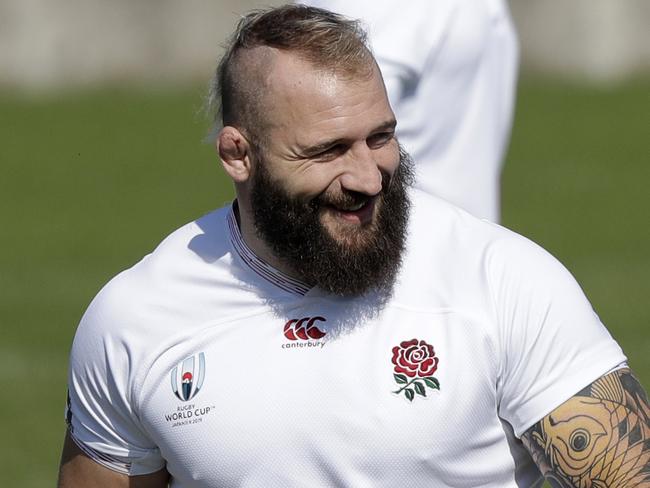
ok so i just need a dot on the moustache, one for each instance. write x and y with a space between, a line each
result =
350 199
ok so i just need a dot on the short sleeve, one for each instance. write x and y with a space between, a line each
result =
553 343
101 414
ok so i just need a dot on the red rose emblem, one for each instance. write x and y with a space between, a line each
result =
415 362
415 358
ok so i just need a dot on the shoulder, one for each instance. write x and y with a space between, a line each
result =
151 298
477 258
444 231
470 263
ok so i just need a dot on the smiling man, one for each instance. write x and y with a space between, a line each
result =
333 327
321 191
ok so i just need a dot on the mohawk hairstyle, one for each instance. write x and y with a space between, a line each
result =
326 40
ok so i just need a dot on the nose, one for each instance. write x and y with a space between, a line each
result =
362 174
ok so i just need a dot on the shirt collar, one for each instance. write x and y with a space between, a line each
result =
261 268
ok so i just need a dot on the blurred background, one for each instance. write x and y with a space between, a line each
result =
102 155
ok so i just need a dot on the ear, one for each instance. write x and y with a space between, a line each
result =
235 153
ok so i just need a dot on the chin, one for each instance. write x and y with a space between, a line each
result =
354 236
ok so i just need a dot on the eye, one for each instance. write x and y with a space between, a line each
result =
579 440
380 139
330 153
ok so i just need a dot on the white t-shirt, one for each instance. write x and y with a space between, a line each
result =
204 359
450 69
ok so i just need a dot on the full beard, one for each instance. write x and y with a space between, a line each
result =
361 259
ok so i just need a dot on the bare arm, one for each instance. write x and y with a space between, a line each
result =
79 471
598 438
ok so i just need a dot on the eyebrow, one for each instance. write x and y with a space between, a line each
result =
323 146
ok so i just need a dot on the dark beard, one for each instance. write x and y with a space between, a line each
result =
364 259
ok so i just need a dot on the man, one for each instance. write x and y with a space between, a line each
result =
331 328
456 59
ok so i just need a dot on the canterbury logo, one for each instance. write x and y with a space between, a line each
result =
303 329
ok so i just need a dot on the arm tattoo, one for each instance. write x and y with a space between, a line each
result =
599 438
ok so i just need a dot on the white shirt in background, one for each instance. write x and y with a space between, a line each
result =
450 69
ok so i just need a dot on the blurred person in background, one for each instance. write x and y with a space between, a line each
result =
450 70
335 327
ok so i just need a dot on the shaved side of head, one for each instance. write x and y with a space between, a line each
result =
328 41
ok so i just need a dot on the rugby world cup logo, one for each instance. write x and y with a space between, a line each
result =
187 377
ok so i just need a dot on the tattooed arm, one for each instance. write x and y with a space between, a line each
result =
598 438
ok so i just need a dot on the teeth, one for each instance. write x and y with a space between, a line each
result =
354 208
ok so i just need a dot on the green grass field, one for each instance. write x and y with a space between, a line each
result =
90 182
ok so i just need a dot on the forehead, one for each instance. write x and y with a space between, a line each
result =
306 104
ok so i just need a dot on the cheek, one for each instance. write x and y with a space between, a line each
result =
306 182
387 157
313 184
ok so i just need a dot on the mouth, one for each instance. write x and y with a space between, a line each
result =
358 213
